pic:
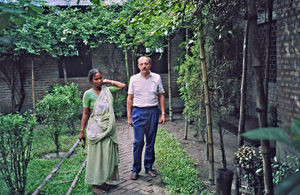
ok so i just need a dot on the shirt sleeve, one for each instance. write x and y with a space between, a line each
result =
113 89
86 99
130 87
160 86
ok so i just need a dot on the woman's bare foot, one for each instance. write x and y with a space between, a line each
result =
98 189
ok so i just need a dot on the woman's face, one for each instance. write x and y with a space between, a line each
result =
97 80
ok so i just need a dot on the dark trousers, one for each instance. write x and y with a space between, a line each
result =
145 122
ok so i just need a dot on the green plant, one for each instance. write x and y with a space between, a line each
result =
57 108
283 169
248 159
71 92
119 104
290 184
15 149
175 166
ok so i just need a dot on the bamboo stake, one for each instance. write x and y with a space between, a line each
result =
32 86
38 189
76 178
207 109
241 128
126 65
186 117
169 80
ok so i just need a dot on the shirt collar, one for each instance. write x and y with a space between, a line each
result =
150 75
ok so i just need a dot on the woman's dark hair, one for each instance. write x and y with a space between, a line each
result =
92 73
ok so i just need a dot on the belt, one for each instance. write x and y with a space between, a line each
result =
146 107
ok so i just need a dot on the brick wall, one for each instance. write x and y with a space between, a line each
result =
288 61
108 58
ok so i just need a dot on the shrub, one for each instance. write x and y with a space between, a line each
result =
16 140
119 104
248 159
282 170
71 92
59 107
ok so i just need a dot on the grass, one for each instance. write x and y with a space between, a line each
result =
38 169
176 167
173 163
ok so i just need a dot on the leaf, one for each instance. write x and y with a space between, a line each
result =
289 185
295 127
269 133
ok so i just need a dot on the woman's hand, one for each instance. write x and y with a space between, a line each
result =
106 81
81 137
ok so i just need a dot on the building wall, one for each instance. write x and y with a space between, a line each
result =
288 67
288 61
108 58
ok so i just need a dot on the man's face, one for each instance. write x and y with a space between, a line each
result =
144 65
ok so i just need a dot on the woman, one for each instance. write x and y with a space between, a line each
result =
99 120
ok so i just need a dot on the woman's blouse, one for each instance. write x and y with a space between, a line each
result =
90 97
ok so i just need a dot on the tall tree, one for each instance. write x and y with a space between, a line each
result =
260 98
269 6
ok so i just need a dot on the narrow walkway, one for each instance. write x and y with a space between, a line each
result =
144 184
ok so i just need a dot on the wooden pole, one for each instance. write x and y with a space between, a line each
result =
126 65
76 178
207 108
38 189
170 80
32 86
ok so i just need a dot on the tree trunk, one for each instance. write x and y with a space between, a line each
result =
32 86
269 4
13 101
126 64
169 80
241 128
186 116
186 127
260 93
207 109
133 61
65 71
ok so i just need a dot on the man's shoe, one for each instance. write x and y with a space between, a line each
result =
133 175
150 173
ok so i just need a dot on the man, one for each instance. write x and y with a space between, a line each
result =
145 92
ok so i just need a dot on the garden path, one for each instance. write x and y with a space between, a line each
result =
194 146
144 184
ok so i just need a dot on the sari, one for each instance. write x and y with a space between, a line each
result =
103 155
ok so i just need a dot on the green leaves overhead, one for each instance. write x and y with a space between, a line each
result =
14 13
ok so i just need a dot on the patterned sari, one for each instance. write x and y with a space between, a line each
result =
103 155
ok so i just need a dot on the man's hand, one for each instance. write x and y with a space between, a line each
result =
129 121
162 119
